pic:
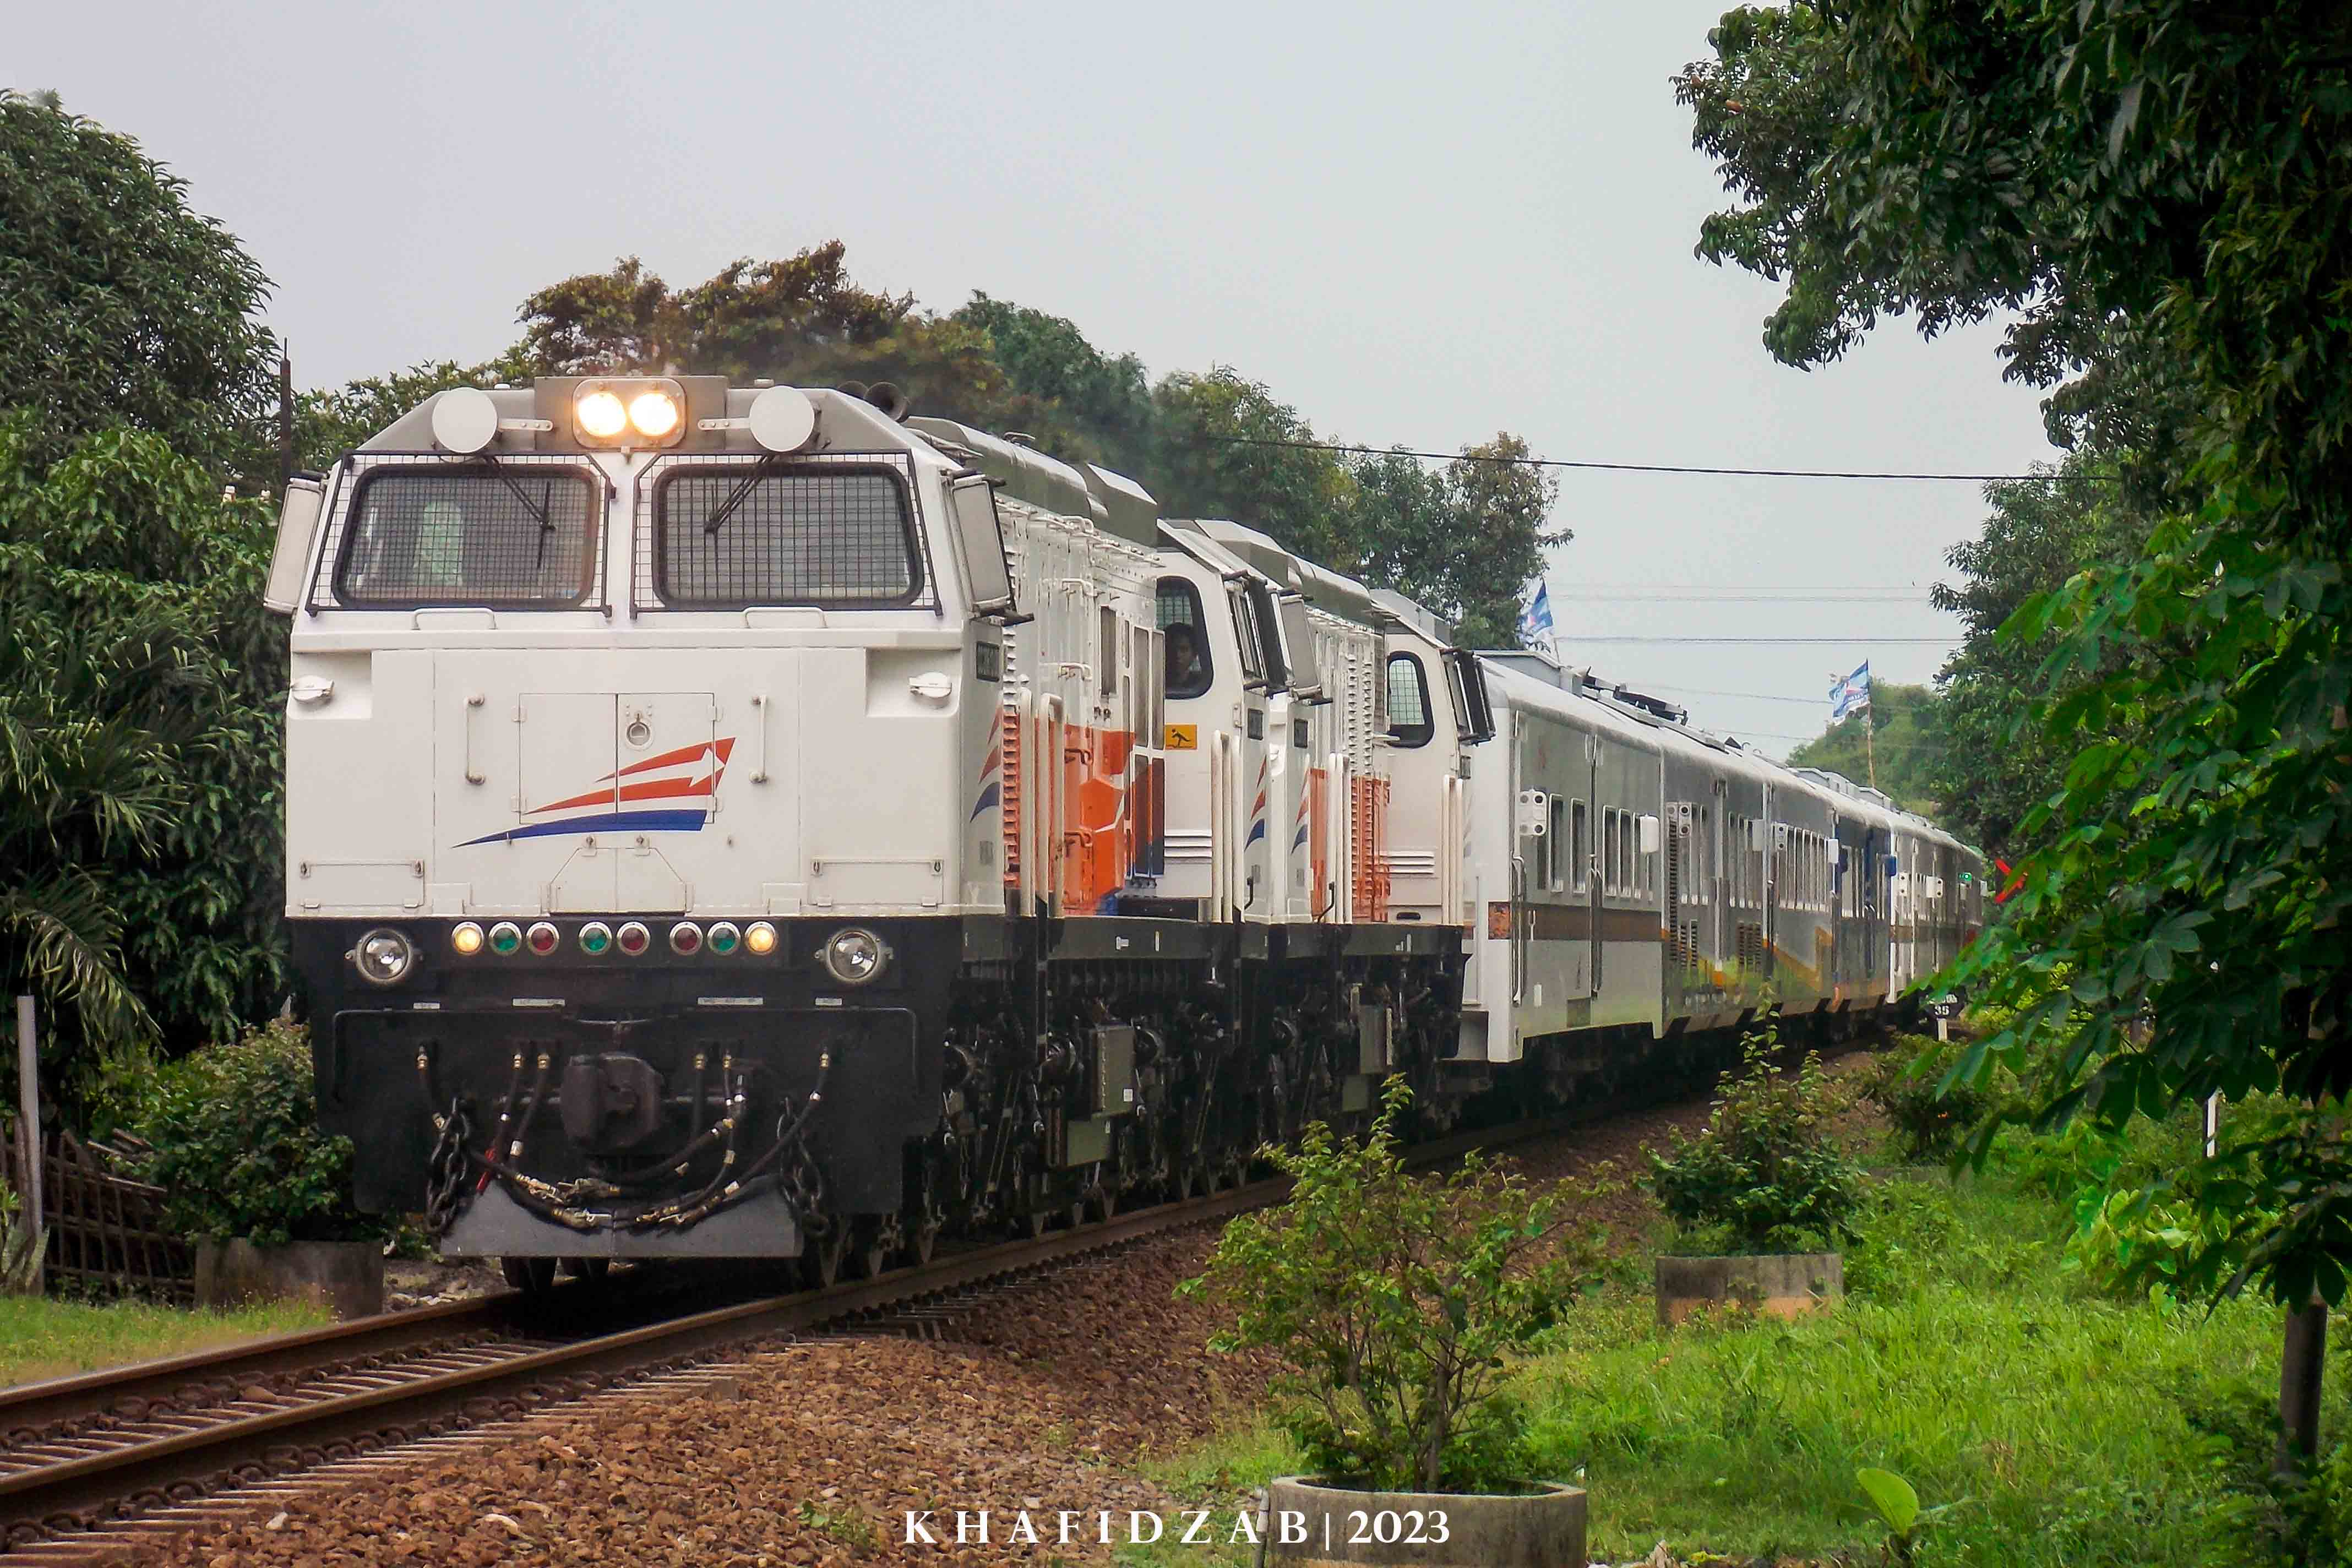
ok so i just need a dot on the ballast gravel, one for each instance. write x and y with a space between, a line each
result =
1042 1400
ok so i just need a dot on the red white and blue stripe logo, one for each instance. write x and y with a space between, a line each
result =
672 793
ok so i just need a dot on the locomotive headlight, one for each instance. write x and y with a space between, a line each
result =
601 414
654 413
467 939
854 955
384 956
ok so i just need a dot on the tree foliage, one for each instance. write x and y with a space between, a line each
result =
235 1130
1906 735
119 306
2163 194
140 744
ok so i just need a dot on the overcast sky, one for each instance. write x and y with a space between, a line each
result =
1418 224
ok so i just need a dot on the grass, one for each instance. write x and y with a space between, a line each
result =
2069 1427
41 1339
2061 1424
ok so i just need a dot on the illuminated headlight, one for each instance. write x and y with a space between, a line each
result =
724 938
384 956
601 414
654 413
761 938
852 955
467 939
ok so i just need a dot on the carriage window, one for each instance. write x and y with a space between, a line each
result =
470 534
1580 848
774 534
1109 651
1186 641
1560 853
1410 724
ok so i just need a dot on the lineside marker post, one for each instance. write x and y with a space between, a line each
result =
28 1138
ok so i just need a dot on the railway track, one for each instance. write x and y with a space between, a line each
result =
83 1457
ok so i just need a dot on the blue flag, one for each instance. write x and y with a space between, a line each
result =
1850 695
1535 621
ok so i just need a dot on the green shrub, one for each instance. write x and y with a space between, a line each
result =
1395 1300
236 1144
1766 1175
1928 1120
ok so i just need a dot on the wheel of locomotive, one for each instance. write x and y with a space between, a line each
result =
823 1255
594 1269
532 1276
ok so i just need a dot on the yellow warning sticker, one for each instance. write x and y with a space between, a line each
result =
1182 738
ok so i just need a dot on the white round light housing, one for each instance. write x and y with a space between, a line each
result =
465 419
384 956
781 419
854 955
600 413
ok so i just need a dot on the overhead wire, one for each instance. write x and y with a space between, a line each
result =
1637 468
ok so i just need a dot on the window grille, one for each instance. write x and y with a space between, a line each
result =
419 530
830 530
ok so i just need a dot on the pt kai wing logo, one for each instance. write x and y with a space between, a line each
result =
684 781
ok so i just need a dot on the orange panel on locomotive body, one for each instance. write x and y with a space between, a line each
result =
744 821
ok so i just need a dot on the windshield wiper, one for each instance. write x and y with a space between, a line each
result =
742 493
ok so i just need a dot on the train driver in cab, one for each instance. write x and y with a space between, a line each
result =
1185 671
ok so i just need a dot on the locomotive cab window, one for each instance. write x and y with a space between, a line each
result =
470 534
1245 633
1185 638
1410 725
839 535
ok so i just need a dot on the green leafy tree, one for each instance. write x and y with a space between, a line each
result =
1106 398
329 422
140 745
1991 771
119 306
2162 194
1395 1299
1907 736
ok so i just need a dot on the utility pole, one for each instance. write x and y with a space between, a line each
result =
1870 742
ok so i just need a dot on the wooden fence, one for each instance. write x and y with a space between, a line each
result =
106 1231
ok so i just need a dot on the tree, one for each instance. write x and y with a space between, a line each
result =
140 745
119 306
1906 735
328 424
1990 773
1107 399
2163 193
1224 446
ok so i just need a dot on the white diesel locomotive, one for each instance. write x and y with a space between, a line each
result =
750 822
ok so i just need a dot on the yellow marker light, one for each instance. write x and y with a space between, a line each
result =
761 936
654 413
467 939
601 415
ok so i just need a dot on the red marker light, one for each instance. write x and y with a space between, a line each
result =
634 939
